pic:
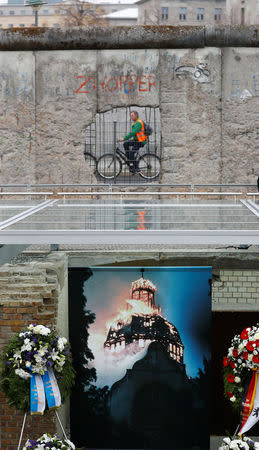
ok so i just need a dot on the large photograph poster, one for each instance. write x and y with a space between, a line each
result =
150 341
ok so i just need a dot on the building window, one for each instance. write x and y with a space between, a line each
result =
182 13
217 14
200 13
164 13
10 25
22 12
114 10
56 25
242 16
1 13
11 13
45 11
21 25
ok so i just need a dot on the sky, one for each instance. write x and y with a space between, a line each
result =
183 294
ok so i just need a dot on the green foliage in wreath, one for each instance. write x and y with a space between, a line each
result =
33 351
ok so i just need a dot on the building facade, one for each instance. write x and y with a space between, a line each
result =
243 12
16 13
182 12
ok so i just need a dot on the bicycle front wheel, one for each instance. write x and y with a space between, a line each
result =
109 166
149 166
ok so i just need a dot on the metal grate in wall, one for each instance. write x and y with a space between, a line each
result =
106 155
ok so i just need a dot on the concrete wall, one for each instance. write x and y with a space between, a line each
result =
208 116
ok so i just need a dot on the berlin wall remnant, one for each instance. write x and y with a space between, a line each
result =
207 99
137 37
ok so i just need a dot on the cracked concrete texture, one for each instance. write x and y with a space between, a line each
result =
208 99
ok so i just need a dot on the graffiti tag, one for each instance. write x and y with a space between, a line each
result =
199 73
245 89
116 84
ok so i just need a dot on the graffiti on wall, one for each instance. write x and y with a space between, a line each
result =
21 86
116 84
199 73
242 89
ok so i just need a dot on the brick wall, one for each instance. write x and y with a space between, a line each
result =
236 290
29 294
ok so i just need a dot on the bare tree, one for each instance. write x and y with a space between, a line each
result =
153 16
78 13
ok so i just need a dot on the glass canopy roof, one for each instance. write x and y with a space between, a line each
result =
124 221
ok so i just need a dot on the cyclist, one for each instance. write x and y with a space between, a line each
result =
138 140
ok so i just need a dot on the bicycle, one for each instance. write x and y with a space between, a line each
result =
110 165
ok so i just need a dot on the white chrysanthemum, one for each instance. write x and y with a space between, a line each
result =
256 445
233 398
28 364
61 344
64 340
40 329
38 358
227 440
237 380
22 374
26 346
250 357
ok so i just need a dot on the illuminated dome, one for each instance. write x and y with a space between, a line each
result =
142 283
142 323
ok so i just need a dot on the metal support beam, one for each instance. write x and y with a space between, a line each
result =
131 237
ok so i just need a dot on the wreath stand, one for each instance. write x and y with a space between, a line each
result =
23 425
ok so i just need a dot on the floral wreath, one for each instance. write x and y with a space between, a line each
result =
239 444
49 442
242 357
33 351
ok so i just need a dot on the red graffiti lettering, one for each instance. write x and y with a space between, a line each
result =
78 91
103 84
112 84
142 83
150 84
122 83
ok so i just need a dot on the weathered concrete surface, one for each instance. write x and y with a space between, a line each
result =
240 122
190 115
17 116
61 115
208 100
145 36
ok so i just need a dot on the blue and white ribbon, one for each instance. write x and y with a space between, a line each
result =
41 386
37 395
51 390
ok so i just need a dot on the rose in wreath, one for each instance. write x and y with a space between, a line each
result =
34 358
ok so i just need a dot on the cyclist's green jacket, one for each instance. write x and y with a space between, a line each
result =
136 127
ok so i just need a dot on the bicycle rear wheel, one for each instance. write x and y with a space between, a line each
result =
149 166
108 166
